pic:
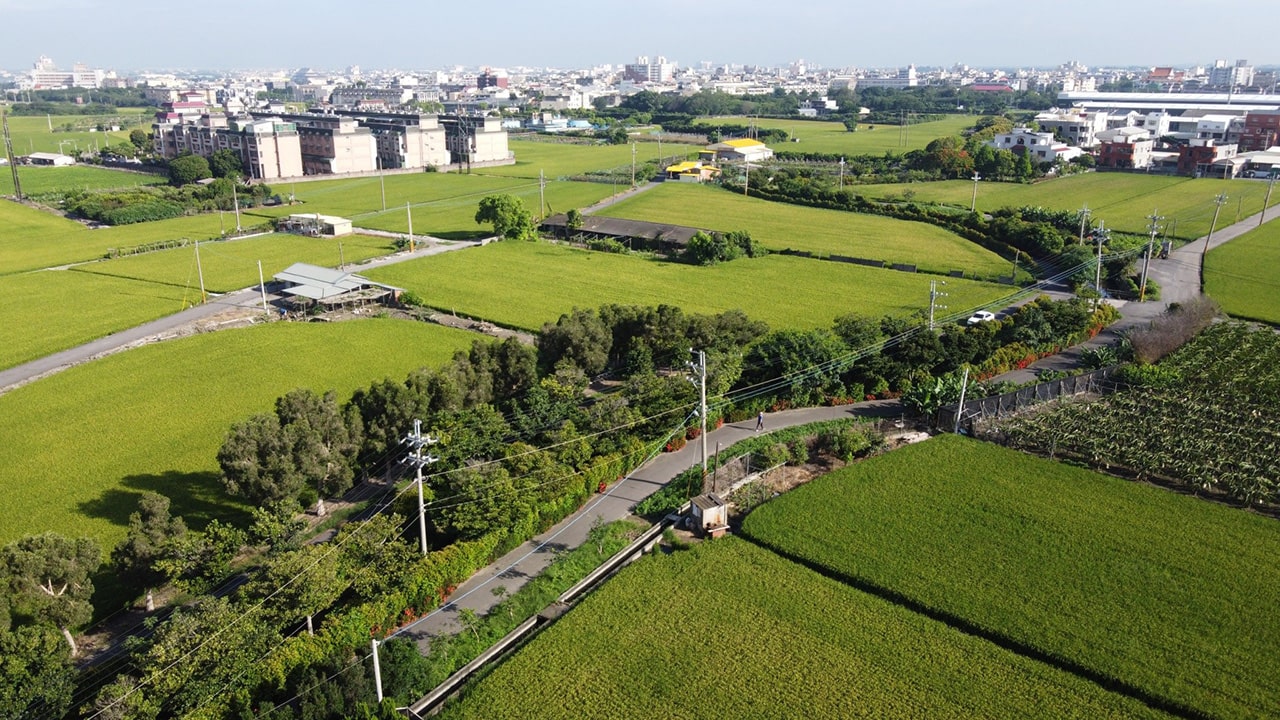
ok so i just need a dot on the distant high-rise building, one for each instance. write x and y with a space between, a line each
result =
644 71
1228 76
45 74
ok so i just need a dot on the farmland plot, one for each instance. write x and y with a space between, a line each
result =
1162 593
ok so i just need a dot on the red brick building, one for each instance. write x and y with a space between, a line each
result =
1261 130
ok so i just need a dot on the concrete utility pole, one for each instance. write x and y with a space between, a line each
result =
1152 228
262 286
1218 202
200 272
419 459
408 210
700 368
973 203
1084 221
542 192
964 387
633 163
933 299
841 173
1262 216
377 669
746 182
1101 235
235 200
8 153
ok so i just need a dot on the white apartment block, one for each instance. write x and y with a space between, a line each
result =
333 145
1079 129
269 149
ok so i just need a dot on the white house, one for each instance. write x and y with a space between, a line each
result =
1077 129
1041 146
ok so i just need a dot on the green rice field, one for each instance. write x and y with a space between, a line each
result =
31 132
82 446
825 232
559 160
818 136
49 311
38 181
233 264
728 629
1121 200
37 239
1165 593
527 284
444 204
1244 274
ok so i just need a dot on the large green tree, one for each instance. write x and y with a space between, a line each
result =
509 217
48 578
186 169
151 533
225 163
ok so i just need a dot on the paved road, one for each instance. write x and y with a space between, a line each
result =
517 567
169 326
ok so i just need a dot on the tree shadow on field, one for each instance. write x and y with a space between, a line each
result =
461 235
196 496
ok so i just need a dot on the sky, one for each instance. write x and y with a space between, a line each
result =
416 35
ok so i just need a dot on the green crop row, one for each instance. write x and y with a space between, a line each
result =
1161 593
729 629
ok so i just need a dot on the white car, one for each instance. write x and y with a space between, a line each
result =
981 316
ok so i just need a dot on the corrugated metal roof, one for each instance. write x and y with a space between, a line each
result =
742 143
317 283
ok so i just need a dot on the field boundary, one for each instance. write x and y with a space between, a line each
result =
1100 381
968 627
429 703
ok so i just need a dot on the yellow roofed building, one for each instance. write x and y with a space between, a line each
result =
742 149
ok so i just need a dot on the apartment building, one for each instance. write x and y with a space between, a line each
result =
1079 129
269 149
409 141
1127 148
472 139
332 145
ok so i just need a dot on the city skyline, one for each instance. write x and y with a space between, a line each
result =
327 34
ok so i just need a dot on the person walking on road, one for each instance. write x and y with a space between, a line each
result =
760 421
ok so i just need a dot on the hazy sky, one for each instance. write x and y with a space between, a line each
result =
333 34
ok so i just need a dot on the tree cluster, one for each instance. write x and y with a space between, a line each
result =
706 248
146 203
511 220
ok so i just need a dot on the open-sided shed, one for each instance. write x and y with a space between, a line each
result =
308 285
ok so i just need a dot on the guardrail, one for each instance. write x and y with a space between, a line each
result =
430 703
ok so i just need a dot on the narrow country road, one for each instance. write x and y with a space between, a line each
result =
167 326
517 567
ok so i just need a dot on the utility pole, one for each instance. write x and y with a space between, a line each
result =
542 191
973 203
377 670
408 210
235 200
1218 202
841 173
1262 216
1084 221
8 153
1013 277
633 163
933 299
342 263
200 272
964 386
382 182
417 442
1101 235
700 368
1153 228
262 286
746 182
